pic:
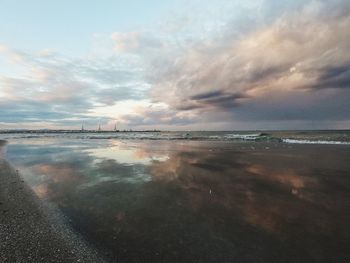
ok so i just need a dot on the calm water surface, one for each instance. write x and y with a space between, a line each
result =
191 201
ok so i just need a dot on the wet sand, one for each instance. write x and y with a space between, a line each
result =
30 231
145 201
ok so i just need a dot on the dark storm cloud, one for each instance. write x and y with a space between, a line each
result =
207 95
216 99
297 105
334 77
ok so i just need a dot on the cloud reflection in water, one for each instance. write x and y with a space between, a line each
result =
196 201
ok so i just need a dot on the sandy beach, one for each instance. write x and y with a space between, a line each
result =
174 201
31 231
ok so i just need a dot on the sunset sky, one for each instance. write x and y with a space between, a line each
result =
175 65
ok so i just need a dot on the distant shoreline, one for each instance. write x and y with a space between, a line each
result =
41 131
71 131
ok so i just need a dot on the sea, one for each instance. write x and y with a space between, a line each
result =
291 137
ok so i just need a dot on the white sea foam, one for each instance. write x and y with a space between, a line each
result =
295 141
243 136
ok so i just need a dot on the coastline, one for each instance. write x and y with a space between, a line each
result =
250 194
30 231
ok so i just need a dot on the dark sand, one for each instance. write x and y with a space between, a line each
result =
32 232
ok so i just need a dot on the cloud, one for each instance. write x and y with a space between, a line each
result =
56 88
3 48
143 114
232 65
299 54
135 41
334 76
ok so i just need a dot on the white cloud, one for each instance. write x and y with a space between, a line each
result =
217 67
299 52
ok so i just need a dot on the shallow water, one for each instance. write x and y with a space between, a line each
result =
196 201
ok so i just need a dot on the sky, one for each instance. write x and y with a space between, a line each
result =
175 65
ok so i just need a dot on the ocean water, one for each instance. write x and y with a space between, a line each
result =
291 137
196 200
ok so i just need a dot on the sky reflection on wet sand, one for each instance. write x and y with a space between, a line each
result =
197 201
